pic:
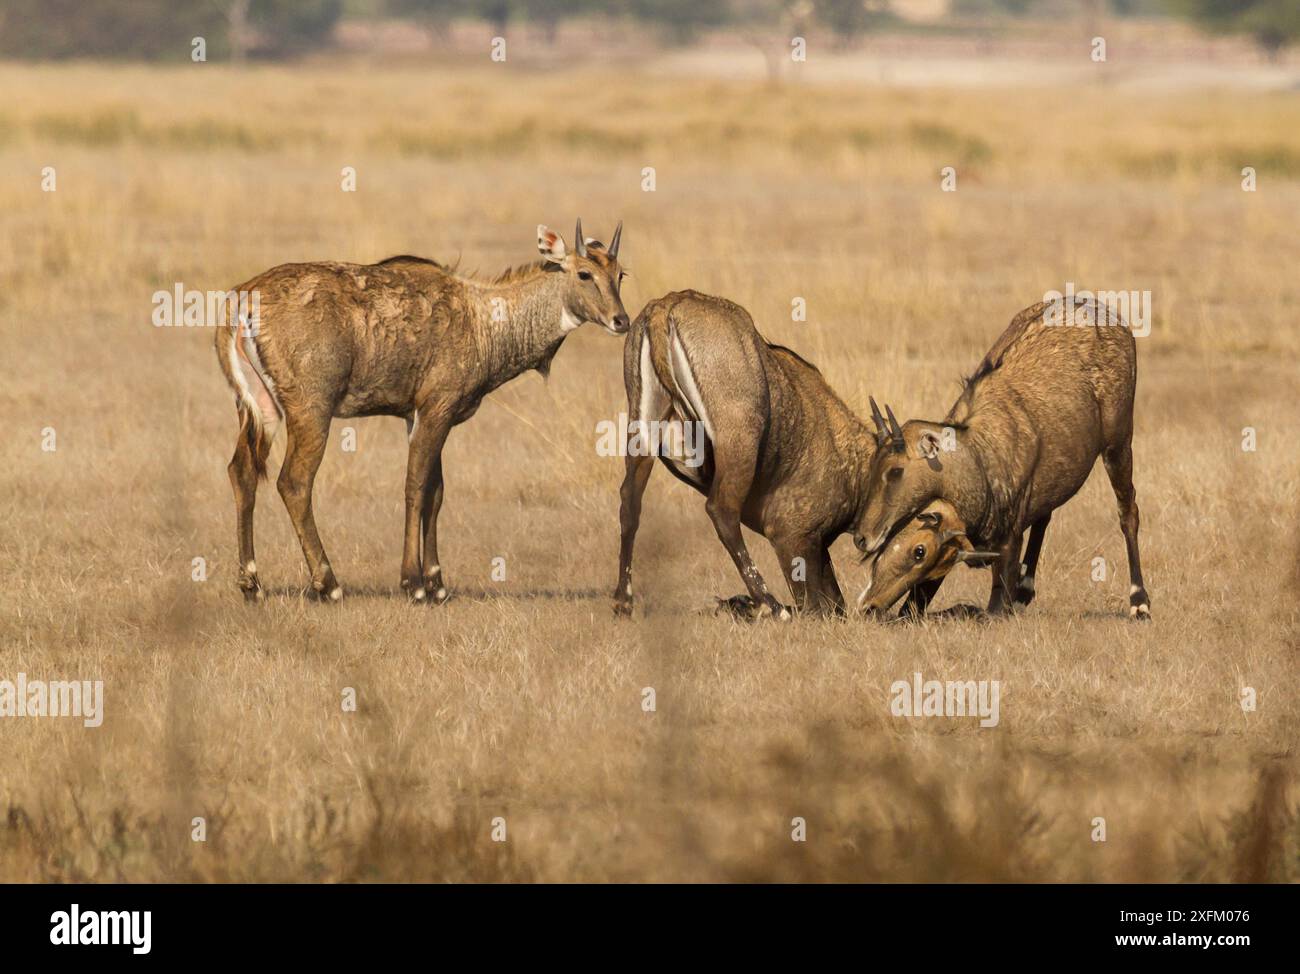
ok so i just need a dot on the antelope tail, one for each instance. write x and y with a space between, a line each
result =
258 406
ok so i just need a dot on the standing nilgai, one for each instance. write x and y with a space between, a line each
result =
1053 394
405 337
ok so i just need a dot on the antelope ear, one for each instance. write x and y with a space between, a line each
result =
963 542
927 444
977 559
550 244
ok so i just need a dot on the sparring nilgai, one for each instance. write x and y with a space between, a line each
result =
1054 393
782 454
405 337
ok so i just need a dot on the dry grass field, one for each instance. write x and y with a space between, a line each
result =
522 698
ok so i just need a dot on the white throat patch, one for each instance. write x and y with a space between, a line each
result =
567 321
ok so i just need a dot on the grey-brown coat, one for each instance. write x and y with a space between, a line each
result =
783 455
405 337
1054 393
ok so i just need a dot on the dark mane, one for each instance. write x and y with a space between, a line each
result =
792 352
1015 331
986 367
411 259
520 271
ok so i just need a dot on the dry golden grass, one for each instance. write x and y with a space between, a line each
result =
522 698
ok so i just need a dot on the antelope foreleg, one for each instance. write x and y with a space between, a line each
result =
723 507
805 563
423 497
918 600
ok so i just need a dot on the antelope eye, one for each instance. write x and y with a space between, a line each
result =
893 473
919 552
584 275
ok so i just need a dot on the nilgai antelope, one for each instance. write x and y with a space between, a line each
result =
782 454
405 337
923 551
1054 393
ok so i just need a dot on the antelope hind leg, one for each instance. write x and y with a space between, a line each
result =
243 479
1119 467
308 436
1006 572
635 477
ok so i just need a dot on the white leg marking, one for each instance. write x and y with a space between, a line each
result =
265 410
649 386
685 380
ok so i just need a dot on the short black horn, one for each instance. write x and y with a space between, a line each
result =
895 430
613 244
879 421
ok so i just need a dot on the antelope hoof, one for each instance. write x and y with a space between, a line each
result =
1024 591
1140 613
248 583
779 612
965 610
430 591
739 606
744 607
329 592
622 608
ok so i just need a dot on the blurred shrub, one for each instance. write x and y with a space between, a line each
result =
1272 23
164 29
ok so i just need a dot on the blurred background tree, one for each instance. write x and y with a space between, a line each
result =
1010 8
849 19
679 21
141 29
164 29
285 27
435 16
1273 24
235 29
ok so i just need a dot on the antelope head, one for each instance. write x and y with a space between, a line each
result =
593 279
925 548
906 473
